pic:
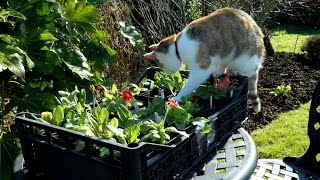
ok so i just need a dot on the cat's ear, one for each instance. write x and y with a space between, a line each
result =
154 47
150 55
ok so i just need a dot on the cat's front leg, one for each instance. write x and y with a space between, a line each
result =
195 79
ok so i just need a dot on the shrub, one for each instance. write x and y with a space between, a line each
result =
312 47
46 46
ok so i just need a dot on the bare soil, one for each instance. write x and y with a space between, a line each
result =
301 72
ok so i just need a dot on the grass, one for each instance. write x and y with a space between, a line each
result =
291 38
286 135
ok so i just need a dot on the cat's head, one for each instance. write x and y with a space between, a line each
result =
165 55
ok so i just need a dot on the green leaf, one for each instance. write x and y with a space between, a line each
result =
45 8
158 105
207 129
123 112
83 97
65 101
179 116
13 58
14 4
202 124
69 7
41 85
102 115
47 36
174 130
5 13
7 38
35 101
190 107
82 13
73 95
131 33
100 39
58 115
118 133
146 126
157 118
152 136
70 122
80 145
114 122
29 62
9 148
178 80
132 132
80 71
84 129
104 152
77 63
76 57
13 62
167 81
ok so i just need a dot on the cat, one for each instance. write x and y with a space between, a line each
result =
228 39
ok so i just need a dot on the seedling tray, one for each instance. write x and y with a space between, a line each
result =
224 120
49 149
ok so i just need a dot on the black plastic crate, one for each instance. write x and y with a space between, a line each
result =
48 149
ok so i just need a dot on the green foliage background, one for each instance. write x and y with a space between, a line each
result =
46 46
50 45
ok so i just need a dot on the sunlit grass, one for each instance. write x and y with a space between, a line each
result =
291 38
285 136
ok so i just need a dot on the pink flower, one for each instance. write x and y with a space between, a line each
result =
224 83
127 95
172 103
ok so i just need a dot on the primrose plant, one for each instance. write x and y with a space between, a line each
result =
282 90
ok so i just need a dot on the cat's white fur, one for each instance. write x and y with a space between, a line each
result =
246 64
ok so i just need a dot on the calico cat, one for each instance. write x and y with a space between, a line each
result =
227 39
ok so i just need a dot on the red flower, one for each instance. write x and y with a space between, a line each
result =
99 88
172 103
127 95
194 99
224 83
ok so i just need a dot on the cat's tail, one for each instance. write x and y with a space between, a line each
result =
253 93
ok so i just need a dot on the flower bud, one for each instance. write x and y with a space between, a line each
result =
47 116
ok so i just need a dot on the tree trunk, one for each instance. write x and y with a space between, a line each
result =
267 43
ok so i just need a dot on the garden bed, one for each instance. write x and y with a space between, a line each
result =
299 71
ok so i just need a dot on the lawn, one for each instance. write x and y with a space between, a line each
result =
287 135
291 38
